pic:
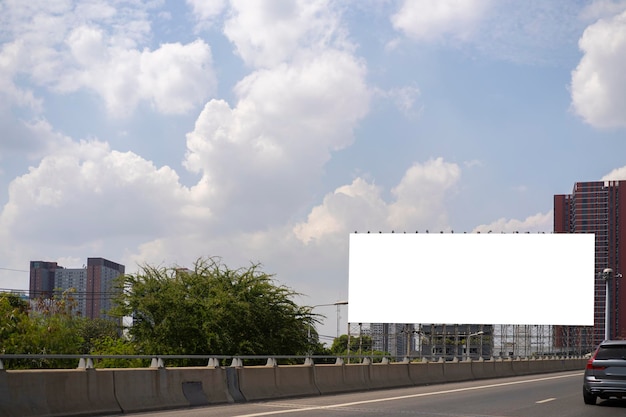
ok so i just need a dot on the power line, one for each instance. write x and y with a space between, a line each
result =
13 270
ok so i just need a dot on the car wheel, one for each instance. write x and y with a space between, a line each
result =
588 397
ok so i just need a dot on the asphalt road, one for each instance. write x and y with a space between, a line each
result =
548 395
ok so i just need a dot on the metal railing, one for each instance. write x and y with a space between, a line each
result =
215 361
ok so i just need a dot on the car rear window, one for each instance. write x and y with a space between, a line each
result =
611 352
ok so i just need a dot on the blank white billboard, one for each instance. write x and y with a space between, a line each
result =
535 279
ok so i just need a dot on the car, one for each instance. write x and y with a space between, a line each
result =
605 373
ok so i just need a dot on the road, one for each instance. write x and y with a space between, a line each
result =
548 395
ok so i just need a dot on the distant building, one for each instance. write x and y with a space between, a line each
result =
449 342
93 284
597 207
42 279
393 338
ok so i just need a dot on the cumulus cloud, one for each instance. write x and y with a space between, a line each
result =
531 32
420 196
336 215
262 156
67 47
540 222
86 192
173 78
598 86
268 33
205 11
425 20
618 174
601 9
35 138
418 204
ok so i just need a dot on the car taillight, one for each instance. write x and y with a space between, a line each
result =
593 367
590 364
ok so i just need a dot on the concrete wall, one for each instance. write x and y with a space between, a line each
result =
86 392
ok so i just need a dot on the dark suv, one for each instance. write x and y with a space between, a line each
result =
605 373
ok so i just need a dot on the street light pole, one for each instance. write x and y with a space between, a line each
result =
338 303
607 275
467 344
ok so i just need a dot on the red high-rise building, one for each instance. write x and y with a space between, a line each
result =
597 207
42 279
94 285
101 274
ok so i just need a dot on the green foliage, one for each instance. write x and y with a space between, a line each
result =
116 346
357 344
93 331
212 309
13 321
49 327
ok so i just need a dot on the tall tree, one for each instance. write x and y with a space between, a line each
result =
212 309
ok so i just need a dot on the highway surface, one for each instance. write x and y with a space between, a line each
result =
547 395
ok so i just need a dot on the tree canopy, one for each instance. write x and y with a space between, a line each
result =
212 309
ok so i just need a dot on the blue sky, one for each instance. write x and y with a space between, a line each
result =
159 132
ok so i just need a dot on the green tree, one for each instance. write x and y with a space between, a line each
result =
364 343
13 319
212 309
93 331
48 328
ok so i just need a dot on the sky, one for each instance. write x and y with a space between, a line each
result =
158 132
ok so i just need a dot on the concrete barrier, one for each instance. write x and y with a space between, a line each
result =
201 385
435 372
389 375
34 393
332 379
503 368
258 382
296 381
521 366
148 389
482 369
262 382
457 371
56 393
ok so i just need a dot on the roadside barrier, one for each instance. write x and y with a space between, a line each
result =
56 393
332 379
88 391
389 375
263 382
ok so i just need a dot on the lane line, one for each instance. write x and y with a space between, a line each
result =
403 397
547 400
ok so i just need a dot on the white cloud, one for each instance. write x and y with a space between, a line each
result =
598 85
205 11
173 78
425 20
420 196
260 158
618 174
355 207
100 47
404 98
268 33
540 222
532 32
601 9
418 205
86 193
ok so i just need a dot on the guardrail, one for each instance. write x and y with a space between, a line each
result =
223 379
86 361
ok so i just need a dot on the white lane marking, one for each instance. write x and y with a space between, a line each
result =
547 400
403 397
